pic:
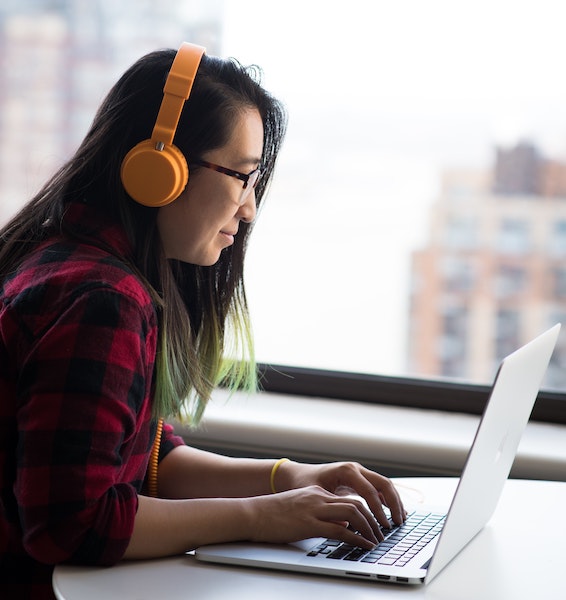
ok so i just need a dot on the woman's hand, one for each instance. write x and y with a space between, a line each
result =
344 478
313 501
312 512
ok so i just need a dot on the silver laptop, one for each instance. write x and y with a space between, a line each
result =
417 551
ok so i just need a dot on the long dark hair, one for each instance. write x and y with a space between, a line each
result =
204 333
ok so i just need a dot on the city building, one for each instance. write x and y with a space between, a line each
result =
493 272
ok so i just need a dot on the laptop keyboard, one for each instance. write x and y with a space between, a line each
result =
401 543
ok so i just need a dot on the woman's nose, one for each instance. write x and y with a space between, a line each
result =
248 209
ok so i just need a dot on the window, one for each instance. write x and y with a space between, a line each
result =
458 274
559 282
513 237
558 238
507 332
424 144
510 281
452 347
460 233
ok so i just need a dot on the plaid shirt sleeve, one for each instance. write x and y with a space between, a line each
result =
84 354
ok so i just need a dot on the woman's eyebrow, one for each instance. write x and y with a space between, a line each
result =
252 161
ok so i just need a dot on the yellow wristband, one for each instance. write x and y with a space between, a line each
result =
274 471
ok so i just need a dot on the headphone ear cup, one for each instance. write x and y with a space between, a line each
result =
154 177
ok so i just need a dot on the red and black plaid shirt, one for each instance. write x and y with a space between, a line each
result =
78 338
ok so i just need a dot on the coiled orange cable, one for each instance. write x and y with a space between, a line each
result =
154 461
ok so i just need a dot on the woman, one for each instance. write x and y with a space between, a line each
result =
116 311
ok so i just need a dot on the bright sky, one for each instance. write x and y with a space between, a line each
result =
383 95
501 60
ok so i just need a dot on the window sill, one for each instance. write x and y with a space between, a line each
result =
394 440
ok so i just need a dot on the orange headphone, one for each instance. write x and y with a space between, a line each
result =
155 172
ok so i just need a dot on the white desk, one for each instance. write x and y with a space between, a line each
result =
504 562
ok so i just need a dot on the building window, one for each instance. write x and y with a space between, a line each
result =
559 288
461 233
513 236
557 241
458 274
510 281
507 332
452 347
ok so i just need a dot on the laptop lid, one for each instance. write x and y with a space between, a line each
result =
495 445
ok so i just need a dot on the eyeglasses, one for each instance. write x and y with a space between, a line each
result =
250 179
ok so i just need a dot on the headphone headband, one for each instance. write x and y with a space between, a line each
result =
155 172
176 91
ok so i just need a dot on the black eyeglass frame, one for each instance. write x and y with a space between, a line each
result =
244 177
